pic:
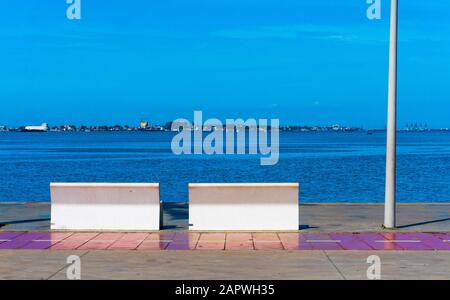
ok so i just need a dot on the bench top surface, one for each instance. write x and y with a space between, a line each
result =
104 184
244 185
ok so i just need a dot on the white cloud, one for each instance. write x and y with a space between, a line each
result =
295 31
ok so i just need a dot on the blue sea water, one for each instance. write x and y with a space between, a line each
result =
330 167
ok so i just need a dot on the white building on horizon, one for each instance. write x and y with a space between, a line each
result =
42 127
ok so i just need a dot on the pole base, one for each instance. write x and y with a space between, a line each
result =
387 228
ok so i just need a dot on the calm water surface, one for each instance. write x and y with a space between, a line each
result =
330 167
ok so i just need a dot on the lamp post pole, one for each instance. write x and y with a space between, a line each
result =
391 143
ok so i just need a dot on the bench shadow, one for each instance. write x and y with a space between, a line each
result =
23 221
423 223
175 215
306 227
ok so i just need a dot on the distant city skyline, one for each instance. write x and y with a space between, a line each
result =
166 126
302 62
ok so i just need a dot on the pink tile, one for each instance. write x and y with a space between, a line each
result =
263 236
294 241
210 245
239 245
290 241
101 241
268 245
74 241
129 241
212 237
239 236
211 241
267 241
289 236
239 241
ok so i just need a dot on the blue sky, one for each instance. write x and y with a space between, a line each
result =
304 62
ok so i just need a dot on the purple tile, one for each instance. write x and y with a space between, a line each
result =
21 240
428 241
322 242
349 241
442 236
378 241
47 240
182 241
303 244
7 236
435 241
412 241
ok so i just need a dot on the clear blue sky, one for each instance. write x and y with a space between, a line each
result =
302 61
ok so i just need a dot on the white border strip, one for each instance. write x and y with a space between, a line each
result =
323 241
399 241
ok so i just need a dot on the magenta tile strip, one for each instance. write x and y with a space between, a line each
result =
435 241
443 236
323 242
185 240
8 236
350 241
409 241
378 241
22 240
47 240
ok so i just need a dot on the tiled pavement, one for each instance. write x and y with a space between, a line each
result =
184 240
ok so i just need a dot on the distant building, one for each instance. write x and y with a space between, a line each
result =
143 124
43 127
336 127
158 128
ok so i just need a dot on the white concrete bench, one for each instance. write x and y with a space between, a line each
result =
254 206
105 206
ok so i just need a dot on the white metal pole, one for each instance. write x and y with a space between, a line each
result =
391 143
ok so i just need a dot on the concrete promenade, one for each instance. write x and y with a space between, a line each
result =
430 222
324 217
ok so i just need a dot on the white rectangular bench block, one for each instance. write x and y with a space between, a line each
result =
254 206
105 206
